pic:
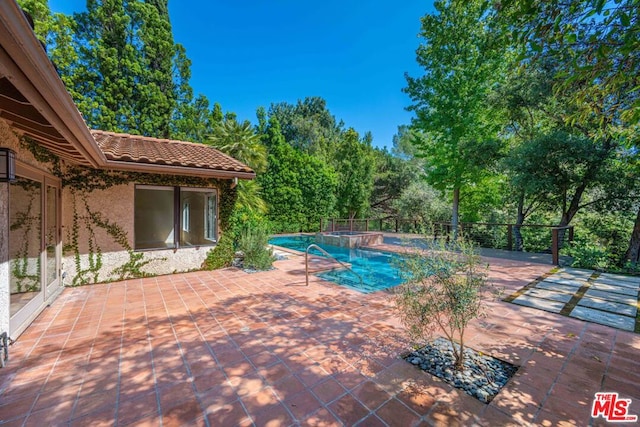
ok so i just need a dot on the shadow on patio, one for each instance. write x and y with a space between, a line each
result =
229 348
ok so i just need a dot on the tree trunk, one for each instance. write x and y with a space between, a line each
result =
633 253
570 212
454 215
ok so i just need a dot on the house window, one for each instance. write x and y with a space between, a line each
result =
186 217
210 218
160 211
200 216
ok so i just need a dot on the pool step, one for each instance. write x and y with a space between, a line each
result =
345 277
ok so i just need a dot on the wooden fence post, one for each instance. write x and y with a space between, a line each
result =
555 247
509 237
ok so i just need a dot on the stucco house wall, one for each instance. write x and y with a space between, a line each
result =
99 243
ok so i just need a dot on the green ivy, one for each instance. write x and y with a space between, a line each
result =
25 221
222 255
81 181
42 155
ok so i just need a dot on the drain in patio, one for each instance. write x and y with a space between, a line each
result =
607 299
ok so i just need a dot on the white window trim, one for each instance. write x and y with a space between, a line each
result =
208 235
186 217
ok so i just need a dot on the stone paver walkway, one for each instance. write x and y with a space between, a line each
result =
226 348
607 299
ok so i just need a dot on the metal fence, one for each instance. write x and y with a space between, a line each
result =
536 238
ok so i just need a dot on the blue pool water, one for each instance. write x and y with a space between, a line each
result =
378 269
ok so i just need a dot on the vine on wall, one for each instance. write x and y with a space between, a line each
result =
26 279
82 181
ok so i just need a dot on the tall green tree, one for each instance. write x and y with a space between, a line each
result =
462 59
597 46
121 65
395 171
308 125
355 165
157 97
298 188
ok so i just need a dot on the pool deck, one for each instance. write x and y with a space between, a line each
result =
227 348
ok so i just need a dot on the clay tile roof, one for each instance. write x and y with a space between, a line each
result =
122 147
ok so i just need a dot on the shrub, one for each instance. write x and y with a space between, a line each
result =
253 242
590 255
443 292
222 255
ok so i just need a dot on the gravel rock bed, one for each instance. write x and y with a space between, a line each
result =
483 376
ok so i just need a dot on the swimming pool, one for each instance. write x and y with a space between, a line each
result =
378 269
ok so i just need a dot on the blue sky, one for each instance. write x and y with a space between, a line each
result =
250 53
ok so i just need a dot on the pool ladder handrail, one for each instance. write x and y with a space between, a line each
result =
306 262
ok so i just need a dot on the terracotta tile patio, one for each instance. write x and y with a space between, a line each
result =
226 348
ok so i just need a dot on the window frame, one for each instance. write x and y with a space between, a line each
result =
212 237
179 217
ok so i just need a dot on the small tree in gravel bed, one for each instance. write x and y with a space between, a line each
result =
443 291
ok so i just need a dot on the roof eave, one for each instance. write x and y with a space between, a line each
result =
31 71
177 170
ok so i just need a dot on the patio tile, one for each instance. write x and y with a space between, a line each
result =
288 386
96 402
230 414
312 375
395 412
619 280
495 417
610 296
273 416
186 413
316 346
420 402
209 379
575 272
259 400
447 415
328 390
348 409
275 372
610 306
614 288
130 410
58 397
371 395
176 393
100 418
552 419
548 294
321 418
542 304
560 285
51 415
622 322
16 409
302 404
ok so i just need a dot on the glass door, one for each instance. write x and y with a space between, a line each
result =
52 239
34 245
25 242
